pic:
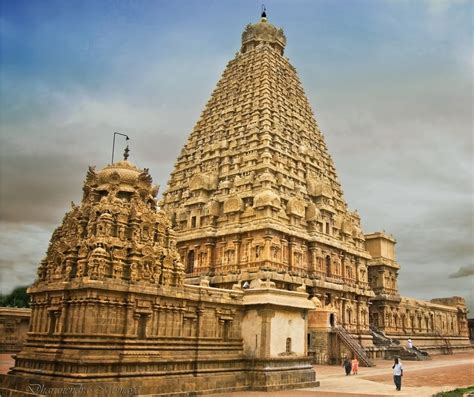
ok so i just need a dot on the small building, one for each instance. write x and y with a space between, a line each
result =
14 323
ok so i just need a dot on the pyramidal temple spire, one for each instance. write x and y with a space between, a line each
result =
255 188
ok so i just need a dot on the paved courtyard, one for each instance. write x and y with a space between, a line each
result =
421 379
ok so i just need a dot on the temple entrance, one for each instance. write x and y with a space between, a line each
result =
332 320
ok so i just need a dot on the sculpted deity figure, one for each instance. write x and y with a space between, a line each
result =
121 232
68 271
42 271
147 269
58 268
81 268
102 269
49 271
136 234
117 270
93 271
179 266
166 277
156 274
134 272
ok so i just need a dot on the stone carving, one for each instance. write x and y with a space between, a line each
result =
233 204
266 198
112 233
296 207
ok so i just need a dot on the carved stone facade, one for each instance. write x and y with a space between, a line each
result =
254 193
110 311
254 196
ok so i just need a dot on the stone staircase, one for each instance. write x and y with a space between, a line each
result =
380 339
447 348
354 346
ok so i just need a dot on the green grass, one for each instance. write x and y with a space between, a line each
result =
456 392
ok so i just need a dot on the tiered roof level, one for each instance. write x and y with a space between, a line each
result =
254 193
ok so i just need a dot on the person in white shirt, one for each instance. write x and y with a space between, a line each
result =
397 374
409 344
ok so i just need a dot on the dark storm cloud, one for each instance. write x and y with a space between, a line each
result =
38 188
463 271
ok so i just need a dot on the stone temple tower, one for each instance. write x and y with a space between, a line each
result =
254 193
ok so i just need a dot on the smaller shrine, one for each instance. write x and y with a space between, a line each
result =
111 315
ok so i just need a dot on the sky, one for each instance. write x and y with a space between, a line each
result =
390 82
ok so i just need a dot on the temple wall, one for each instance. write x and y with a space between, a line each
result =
14 324
288 334
413 318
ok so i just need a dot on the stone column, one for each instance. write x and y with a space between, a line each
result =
267 254
312 259
34 317
265 335
358 314
237 244
155 319
284 248
136 319
291 245
209 259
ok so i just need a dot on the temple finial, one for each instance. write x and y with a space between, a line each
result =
126 153
264 11
113 145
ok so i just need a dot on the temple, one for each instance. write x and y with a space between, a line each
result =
250 269
254 195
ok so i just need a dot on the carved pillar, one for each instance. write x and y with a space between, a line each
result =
155 319
312 259
209 255
237 244
291 246
284 247
61 319
136 319
343 312
34 317
265 335
267 254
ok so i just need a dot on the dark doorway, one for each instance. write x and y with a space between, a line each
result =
190 264
332 320
328 266
142 326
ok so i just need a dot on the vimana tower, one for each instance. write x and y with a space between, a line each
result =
254 194
254 197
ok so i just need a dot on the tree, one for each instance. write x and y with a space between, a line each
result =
17 298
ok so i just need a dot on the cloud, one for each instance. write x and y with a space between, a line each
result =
437 7
392 99
463 271
22 247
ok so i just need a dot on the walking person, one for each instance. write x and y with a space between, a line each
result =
397 374
347 365
355 366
